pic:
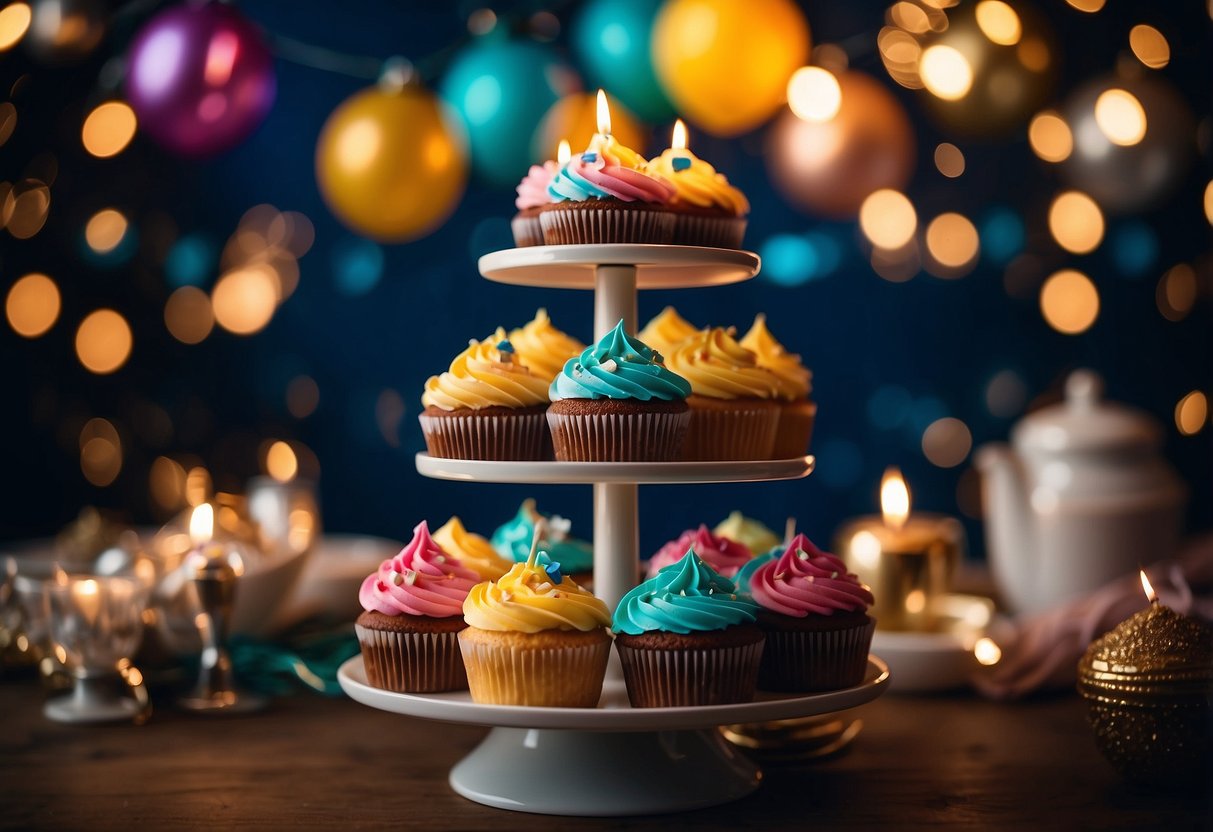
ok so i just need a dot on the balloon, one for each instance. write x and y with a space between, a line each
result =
1124 177
389 164
200 79
62 31
501 88
830 167
1012 57
725 63
575 117
612 38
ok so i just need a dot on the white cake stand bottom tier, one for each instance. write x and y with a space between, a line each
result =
611 760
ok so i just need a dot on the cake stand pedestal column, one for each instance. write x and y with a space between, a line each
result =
614 298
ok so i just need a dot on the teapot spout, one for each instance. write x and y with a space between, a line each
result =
1010 524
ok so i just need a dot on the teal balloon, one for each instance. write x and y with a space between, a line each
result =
501 89
612 39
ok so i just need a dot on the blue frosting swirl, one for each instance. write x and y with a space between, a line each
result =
754 564
687 596
512 540
619 366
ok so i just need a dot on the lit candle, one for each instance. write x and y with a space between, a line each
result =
907 559
605 148
86 600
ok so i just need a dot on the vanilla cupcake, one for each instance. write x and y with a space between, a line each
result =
542 347
471 550
796 412
708 211
666 330
536 638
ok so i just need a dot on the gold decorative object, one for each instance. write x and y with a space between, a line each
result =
1149 687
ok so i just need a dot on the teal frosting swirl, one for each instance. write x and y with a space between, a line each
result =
687 596
512 540
619 366
746 572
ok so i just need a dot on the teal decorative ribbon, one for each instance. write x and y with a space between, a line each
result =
310 659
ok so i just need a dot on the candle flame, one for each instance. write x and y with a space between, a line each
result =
987 652
678 141
894 498
202 524
1148 587
564 152
604 114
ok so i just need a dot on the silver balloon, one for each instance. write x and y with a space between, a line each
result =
63 31
1125 178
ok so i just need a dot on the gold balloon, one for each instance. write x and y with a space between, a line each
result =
575 117
389 163
830 167
725 64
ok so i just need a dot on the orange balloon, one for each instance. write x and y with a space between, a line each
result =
575 117
390 164
830 167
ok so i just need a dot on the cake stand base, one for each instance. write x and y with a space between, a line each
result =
628 773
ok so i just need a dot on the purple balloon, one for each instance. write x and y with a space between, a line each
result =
200 79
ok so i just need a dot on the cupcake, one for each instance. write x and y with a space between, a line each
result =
512 540
685 637
796 412
532 197
542 347
488 405
666 330
616 403
815 616
723 555
604 195
747 531
534 637
471 550
708 211
413 612
734 409
746 573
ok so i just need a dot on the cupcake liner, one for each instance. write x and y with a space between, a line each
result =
560 677
794 430
412 662
815 660
618 437
496 436
614 224
703 230
735 433
681 677
527 230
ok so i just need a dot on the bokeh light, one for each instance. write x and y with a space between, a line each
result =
14 22
1150 46
244 300
946 442
188 315
1006 394
8 121
1176 293
814 94
105 230
103 341
1191 413
1120 117
1076 222
100 452
896 265
302 396
1050 137
1209 198
26 207
999 22
952 243
1069 302
945 72
281 462
788 259
357 265
166 484
108 129
32 305
1089 6
1002 235
900 52
191 260
949 160
1134 248
887 219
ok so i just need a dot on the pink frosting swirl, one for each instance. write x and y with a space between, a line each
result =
621 182
806 580
722 554
533 189
420 580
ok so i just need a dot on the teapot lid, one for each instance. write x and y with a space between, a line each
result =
1086 422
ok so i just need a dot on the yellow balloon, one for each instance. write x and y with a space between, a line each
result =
575 117
390 165
725 64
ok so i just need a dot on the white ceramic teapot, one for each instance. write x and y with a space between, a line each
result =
1082 497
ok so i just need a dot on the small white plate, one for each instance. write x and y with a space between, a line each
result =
937 661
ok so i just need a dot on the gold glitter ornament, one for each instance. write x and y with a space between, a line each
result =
1149 690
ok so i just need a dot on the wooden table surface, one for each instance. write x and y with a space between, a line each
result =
310 762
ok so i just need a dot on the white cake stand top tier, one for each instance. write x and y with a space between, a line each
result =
639 473
657 266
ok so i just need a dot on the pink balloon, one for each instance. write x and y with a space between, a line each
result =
200 79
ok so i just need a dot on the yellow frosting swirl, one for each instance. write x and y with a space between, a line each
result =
795 381
524 600
544 348
700 184
666 330
482 376
471 550
720 368
616 153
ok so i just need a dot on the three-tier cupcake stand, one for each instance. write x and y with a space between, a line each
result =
613 759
